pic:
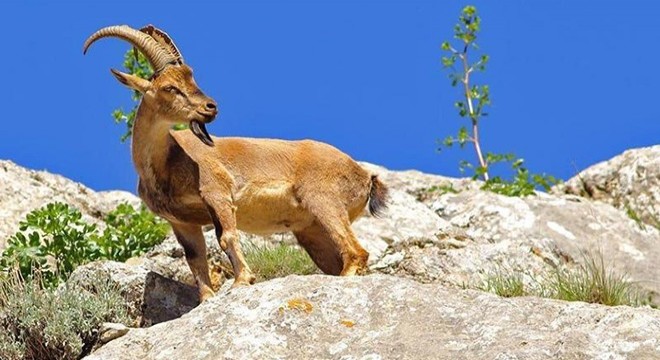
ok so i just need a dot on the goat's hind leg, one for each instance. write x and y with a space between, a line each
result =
191 239
335 225
321 249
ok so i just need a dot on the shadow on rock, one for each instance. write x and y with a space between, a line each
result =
166 299
151 298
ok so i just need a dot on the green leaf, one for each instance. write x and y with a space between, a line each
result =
469 10
448 61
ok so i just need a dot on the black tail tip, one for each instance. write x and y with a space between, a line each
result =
378 196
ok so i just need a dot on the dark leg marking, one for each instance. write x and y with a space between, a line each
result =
216 222
189 250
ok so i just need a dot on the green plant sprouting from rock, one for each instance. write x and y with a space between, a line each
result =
55 239
473 104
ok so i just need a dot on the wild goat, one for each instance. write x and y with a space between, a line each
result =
259 186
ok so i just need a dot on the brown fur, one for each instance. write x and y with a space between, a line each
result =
260 186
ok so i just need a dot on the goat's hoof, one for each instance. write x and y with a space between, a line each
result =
239 283
203 296
352 270
244 280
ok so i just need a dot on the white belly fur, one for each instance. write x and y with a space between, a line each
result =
267 208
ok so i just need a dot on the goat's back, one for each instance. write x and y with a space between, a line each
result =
317 171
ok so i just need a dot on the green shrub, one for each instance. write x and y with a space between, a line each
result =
269 262
54 240
45 323
131 233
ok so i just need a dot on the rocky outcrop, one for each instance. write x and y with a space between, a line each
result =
532 236
630 181
23 190
383 317
445 234
151 298
460 237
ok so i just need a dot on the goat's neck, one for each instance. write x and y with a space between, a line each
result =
150 145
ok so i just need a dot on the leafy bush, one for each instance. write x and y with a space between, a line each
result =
269 262
130 233
44 323
54 240
523 182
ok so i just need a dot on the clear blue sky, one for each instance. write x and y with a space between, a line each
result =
573 82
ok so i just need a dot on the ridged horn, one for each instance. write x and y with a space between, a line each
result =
164 40
159 57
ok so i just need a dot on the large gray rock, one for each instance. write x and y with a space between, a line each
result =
406 219
381 317
492 233
23 190
150 297
630 181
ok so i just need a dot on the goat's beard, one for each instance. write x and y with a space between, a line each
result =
199 129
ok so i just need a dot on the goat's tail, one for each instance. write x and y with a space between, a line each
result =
378 196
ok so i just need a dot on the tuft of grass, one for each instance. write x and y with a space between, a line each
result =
269 262
593 282
632 214
46 323
504 284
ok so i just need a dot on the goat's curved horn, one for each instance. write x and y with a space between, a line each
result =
164 40
157 55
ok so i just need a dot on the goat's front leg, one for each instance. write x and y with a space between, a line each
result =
216 191
191 239
224 220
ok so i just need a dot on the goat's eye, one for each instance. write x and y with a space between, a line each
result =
172 89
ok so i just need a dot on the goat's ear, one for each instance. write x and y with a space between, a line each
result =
132 81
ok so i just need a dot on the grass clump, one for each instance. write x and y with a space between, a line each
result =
46 323
269 262
591 281
505 284
54 240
